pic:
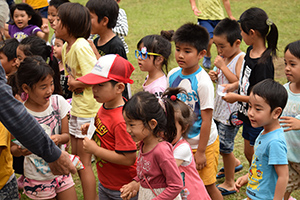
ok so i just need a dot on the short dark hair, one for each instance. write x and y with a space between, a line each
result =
294 48
272 92
57 3
36 18
230 28
76 19
192 34
10 48
105 8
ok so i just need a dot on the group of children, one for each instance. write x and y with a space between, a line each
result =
176 113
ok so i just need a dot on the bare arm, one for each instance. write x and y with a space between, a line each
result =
233 97
126 159
200 157
228 9
194 8
64 137
283 177
220 63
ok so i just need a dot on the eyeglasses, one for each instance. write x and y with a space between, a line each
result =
144 54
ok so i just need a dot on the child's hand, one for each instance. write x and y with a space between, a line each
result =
95 50
89 146
129 190
45 28
55 139
290 122
241 181
72 85
230 97
213 75
219 62
84 128
200 160
230 87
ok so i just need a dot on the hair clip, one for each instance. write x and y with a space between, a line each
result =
269 22
173 97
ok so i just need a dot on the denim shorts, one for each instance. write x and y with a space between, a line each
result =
250 133
227 134
209 25
107 194
43 11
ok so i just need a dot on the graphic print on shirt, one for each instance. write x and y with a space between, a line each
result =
243 89
141 166
100 131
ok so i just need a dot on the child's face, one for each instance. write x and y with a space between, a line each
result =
292 67
21 18
146 65
187 57
95 25
41 92
60 31
246 37
11 66
52 14
57 48
104 92
223 46
259 111
136 129
20 55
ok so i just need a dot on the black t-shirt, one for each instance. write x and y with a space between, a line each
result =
252 73
67 94
113 46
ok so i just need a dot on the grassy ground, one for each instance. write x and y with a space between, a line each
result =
150 17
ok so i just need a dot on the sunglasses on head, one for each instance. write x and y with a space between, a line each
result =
144 54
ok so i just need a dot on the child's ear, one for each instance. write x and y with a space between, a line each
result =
159 60
277 112
25 88
120 87
152 124
29 17
105 20
237 42
201 54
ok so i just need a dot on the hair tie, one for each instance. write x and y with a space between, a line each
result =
162 104
173 97
269 22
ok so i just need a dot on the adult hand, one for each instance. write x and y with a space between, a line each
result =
196 11
63 165
290 123
200 160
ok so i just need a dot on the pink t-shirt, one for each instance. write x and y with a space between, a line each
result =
157 87
194 188
160 169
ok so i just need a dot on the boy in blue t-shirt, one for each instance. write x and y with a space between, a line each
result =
268 174
191 42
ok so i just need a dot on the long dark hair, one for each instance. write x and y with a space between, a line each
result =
36 18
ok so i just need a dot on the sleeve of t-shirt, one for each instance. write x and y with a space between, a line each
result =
3 136
123 141
35 30
183 152
277 153
86 58
64 106
206 94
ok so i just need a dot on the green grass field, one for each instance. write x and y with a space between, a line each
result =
150 17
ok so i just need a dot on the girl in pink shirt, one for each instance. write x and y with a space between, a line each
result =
148 120
194 188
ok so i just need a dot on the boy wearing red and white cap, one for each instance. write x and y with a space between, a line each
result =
111 144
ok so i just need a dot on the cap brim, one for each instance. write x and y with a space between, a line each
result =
92 79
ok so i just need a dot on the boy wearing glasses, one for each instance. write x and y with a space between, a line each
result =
191 42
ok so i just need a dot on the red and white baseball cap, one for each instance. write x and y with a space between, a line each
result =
109 67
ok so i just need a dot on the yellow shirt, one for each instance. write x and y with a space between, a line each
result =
36 4
6 159
78 62
210 10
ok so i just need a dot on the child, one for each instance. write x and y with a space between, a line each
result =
111 144
52 14
104 15
191 41
257 30
227 38
78 60
149 120
209 15
34 45
152 54
268 174
290 116
51 113
8 56
184 118
121 28
8 181
58 44
26 22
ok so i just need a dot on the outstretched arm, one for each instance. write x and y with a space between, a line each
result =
194 8
228 9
